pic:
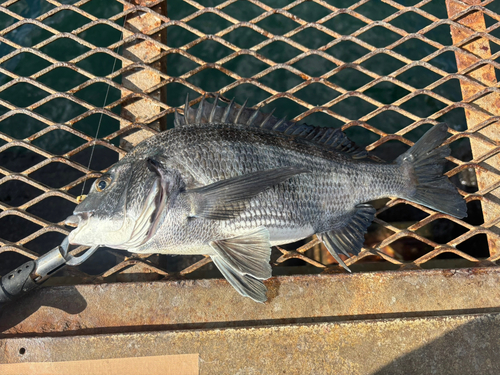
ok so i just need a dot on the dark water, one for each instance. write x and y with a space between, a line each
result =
63 79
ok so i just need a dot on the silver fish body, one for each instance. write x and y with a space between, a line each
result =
311 202
232 182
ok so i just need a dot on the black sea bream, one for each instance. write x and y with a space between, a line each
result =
231 182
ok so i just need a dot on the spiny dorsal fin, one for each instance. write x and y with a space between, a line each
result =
207 113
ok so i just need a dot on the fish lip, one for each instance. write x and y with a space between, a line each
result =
77 218
78 221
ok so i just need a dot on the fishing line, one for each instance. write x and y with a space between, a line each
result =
104 104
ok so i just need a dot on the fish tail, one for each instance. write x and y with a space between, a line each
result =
424 163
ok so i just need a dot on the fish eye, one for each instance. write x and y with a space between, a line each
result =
102 183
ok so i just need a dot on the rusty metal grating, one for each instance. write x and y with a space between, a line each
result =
325 62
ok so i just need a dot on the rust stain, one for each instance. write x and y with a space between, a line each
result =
395 345
143 102
142 52
142 80
479 48
119 307
144 3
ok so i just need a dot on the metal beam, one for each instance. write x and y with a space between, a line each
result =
441 345
213 303
486 103
144 80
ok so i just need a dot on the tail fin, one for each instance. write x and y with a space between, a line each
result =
426 162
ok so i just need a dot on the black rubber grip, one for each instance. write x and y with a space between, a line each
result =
17 283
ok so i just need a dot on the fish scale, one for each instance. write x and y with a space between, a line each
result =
230 182
321 198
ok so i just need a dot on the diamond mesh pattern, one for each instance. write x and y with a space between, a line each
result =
382 71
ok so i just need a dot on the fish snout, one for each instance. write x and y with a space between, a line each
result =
75 220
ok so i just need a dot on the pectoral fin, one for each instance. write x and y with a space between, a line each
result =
350 237
225 199
244 261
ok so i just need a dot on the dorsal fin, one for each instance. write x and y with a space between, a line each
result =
241 115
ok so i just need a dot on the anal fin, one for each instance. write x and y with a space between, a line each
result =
349 238
244 262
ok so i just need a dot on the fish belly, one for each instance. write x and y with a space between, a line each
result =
282 236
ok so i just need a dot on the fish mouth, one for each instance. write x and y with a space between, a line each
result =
134 230
76 219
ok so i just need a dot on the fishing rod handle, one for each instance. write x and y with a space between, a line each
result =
17 283
31 275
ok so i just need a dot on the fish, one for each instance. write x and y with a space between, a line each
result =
230 182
